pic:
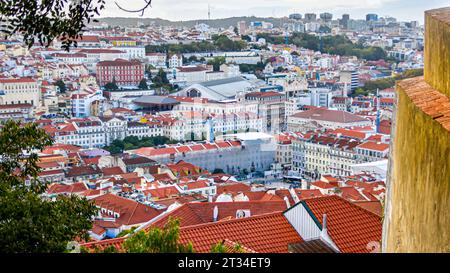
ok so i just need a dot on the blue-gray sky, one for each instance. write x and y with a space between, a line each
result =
407 10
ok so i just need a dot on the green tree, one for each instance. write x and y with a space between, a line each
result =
360 92
43 21
324 29
61 85
218 248
160 79
148 70
218 171
193 58
31 223
236 30
216 62
156 240
143 84
111 86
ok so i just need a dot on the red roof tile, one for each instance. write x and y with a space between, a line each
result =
350 227
267 233
305 194
202 212
131 212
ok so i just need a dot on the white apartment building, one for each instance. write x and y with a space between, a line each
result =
319 154
234 154
95 55
143 130
190 74
70 58
114 128
87 102
97 132
132 52
321 97
208 106
176 60
204 126
158 60
20 91
86 133
271 108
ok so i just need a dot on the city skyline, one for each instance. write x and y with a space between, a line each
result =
198 9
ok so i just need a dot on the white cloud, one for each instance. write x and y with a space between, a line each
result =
198 9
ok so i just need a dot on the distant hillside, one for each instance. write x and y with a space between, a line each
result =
216 23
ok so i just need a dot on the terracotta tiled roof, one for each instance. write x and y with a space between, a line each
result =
202 212
285 193
311 246
82 171
430 101
351 194
329 115
63 188
350 227
322 185
267 233
305 194
350 133
375 146
112 171
373 206
232 188
263 233
162 192
131 212
261 196
230 247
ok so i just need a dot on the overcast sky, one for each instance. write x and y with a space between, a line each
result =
407 10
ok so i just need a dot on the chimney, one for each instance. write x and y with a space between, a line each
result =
324 226
215 213
286 199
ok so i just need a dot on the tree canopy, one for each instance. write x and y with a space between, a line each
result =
143 84
61 85
216 62
133 142
29 222
43 21
156 240
219 43
111 86
337 44
389 82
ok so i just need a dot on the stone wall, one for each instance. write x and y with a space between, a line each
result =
417 210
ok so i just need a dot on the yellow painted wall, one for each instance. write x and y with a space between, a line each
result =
420 183
437 49
417 211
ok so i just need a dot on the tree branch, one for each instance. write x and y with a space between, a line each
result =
141 10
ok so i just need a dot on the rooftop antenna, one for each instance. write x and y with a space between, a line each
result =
209 12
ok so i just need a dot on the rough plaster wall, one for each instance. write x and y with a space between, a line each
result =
419 220
437 49
417 212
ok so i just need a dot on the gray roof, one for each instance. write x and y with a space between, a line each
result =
155 100
222 81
